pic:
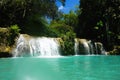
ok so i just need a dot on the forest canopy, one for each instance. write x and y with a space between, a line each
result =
18 11
98 20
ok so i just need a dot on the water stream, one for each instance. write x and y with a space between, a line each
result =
41 46
45 46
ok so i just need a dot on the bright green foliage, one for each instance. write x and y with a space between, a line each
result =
60 28
64 28
71 19
68 41
13 32
14 29
66 32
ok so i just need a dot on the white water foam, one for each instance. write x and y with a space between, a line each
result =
41 46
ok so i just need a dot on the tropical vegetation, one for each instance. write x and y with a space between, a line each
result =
98 20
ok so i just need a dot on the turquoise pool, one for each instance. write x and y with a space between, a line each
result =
61 68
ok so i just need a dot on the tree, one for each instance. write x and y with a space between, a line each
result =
66 33
111 17
90 14
99 20
70 19
13 12
17 11
64 27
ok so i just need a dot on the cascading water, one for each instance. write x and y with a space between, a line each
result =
76 47
91 47
83 46
44 46
41 46
99 48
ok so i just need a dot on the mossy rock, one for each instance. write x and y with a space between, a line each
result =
7 41
115 51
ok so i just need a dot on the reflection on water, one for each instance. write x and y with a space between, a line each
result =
61 68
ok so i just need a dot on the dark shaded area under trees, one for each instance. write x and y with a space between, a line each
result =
100 21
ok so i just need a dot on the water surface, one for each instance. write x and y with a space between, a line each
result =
61 68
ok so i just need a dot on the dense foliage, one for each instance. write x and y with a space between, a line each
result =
100 21
8 35
60 29
68 43
7 39
20 11
13 33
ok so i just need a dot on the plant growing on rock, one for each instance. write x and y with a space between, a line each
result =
68 43
14 32
66 33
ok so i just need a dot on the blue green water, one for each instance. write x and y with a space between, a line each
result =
62 68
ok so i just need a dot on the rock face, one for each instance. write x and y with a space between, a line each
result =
4 34
5 49
115 51
5 54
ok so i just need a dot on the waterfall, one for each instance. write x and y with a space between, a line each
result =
45 46
41 46
81 47
88 47
76 47
99 48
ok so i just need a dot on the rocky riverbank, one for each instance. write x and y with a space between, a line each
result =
7 42
115 51
5 55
